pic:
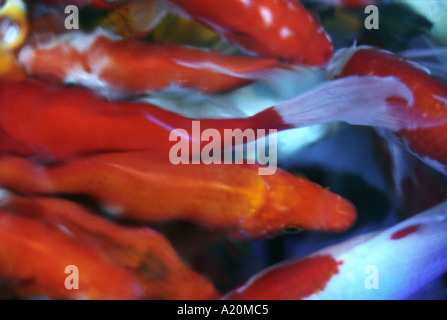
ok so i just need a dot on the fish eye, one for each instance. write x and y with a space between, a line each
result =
292 229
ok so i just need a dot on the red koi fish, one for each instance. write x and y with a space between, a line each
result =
99 62
35 255
144 252
294 280
389 264
53 123
430 98
232 198
271 28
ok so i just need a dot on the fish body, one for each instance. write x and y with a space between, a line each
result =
387 264
281 29
430 100
99 62
232 198
35 255
53 123
145 253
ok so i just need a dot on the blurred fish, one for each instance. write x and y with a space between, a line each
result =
141 251
35 254
430 98
99 62
388 264
53 124
231 198
281 29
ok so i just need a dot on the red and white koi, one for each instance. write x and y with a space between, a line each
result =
53 123
281 29
430 98
99 62
389 264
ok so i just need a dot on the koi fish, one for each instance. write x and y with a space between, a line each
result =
232 198
281 29
388 264
99 62
430 98
35 256
54 124
146 253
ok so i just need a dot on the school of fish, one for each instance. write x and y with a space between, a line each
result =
85 174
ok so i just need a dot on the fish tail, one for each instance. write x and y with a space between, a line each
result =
369 100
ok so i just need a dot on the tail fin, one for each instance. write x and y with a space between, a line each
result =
369 100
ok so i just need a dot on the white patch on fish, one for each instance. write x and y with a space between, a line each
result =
266 15
285 32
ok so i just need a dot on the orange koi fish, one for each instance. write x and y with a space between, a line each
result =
271 28
233 198
146 253
430 98
35 255
53 123
99 62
